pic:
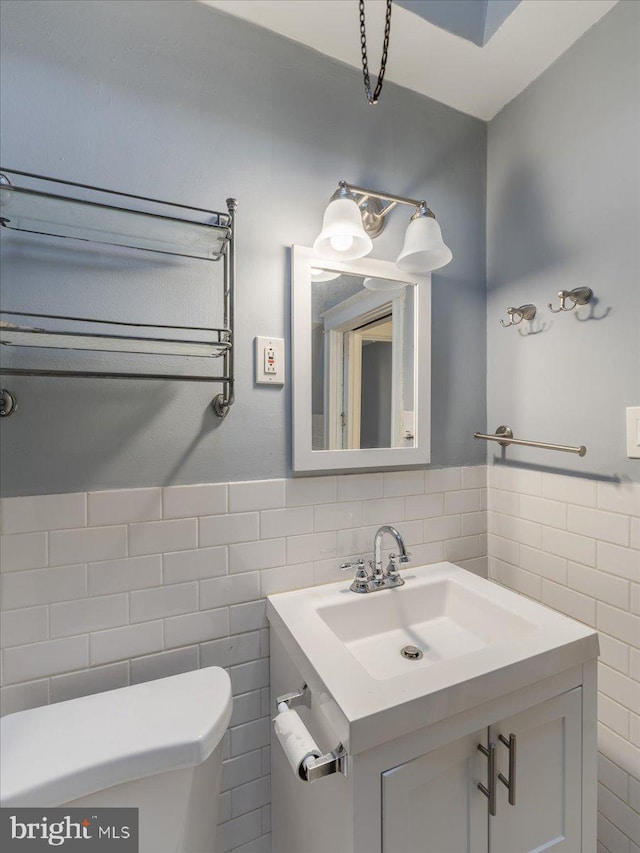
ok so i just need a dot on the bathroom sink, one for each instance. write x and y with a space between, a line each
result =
466 640
438 620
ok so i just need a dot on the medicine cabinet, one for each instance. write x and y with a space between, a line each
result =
361 333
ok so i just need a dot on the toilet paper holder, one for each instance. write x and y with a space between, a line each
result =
331 762
296 699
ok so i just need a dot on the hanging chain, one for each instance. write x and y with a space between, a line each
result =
373 97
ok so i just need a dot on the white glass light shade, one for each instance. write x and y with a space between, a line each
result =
343 236
424 249
383 284
318 274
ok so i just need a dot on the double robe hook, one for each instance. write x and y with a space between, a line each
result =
577 296
569 299
517 315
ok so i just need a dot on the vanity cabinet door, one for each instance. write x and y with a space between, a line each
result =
432 804
547 813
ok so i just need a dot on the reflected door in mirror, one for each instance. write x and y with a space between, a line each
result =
362 365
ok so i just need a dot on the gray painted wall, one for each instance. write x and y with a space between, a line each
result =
563 211
178 101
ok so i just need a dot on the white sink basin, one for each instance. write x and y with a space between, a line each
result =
443 619
477 639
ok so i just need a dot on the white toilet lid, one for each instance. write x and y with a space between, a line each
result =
57 753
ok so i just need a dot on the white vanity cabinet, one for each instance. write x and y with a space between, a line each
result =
432 802
418 793
419 734
547 811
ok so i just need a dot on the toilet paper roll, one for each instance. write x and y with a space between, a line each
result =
296 741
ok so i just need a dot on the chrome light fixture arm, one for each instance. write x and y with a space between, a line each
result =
373 211
396 199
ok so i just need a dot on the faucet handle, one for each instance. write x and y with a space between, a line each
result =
402 558
392 575
361 580
357 564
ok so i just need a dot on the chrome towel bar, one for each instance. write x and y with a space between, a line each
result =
504 436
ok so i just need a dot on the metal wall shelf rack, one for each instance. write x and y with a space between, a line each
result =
116 219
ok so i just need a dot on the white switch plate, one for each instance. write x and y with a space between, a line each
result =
633 432
269 361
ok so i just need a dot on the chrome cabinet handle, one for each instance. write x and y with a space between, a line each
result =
490 790
510 783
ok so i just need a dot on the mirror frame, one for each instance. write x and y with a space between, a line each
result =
303 259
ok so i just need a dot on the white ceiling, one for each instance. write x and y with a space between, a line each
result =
476 80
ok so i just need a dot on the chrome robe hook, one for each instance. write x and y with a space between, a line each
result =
578 296
517 315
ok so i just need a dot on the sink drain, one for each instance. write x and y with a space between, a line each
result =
411 652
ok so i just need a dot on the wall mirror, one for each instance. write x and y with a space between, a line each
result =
361 344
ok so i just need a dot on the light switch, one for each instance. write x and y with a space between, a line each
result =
269 361
633 432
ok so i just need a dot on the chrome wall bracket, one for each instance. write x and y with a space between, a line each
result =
506 433
372 212
8 403
295 699
332 762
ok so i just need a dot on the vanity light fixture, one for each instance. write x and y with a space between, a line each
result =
355 215
318 274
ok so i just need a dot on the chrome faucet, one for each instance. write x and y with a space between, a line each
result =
403 556
379 578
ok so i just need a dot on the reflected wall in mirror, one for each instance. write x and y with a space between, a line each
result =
361 367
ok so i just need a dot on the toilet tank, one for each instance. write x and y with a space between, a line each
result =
155 746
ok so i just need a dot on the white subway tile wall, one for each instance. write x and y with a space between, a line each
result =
574 544
105 589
